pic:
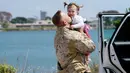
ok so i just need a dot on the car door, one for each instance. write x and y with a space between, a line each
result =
114 55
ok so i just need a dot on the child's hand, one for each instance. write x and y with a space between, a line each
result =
71 27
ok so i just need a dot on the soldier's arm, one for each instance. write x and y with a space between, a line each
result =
83 43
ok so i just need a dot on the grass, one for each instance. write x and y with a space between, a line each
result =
25 68
6 68
94 68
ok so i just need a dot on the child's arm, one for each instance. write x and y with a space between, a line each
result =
79 22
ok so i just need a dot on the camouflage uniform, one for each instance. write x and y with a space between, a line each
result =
71 47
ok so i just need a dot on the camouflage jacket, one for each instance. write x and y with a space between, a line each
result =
71 47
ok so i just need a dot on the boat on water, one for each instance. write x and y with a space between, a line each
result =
114 53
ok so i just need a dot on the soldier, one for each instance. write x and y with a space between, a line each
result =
71 46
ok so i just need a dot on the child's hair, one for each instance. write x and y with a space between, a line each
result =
70 4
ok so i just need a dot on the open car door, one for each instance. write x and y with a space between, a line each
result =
114 54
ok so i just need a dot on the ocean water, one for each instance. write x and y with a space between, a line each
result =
33 49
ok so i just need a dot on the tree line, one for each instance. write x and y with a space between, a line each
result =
6 17
113 20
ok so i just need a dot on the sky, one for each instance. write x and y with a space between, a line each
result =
31 8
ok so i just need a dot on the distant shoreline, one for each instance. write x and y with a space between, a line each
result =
45 27
27 29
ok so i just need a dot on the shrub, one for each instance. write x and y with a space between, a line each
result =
5 68
5 24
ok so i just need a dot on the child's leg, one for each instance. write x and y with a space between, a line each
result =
85 29
87 56
87 34
87 64
81 30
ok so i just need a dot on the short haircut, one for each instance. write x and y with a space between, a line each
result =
57 18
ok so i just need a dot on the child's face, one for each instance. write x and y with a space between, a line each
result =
72 10
65 17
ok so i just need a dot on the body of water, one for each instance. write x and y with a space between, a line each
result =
33 48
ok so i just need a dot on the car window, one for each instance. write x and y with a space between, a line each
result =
110 23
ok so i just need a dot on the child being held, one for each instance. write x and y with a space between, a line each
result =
77 20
